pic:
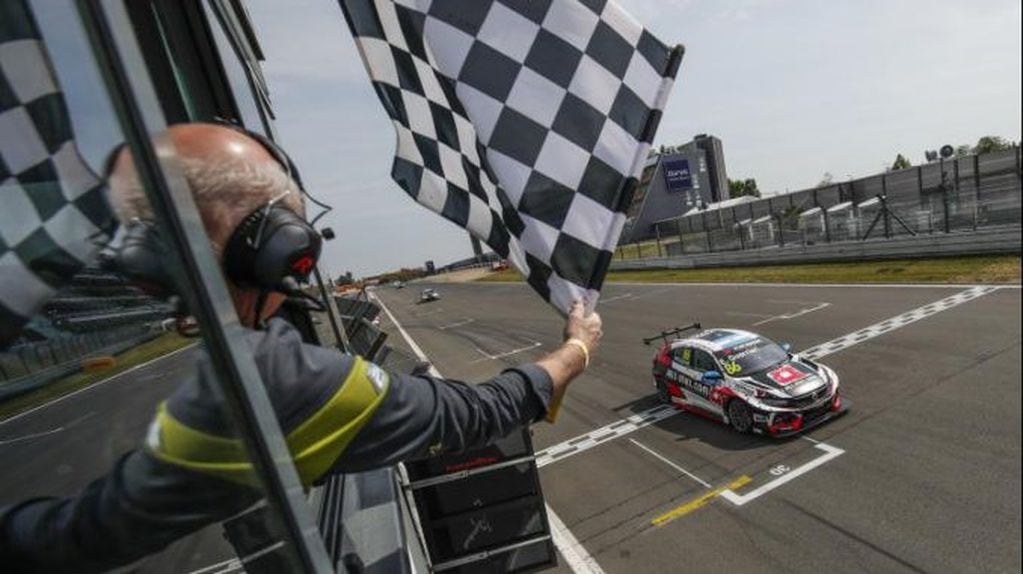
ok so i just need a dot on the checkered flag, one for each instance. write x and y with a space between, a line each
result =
53 214
524 121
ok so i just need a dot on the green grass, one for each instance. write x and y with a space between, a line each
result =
981 269
135 356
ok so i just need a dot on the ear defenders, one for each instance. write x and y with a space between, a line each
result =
272 249
270 245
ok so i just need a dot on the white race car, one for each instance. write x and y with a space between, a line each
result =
744 380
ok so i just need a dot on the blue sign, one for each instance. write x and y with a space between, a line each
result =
677 175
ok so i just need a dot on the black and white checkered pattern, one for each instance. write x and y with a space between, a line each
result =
53 214
524 121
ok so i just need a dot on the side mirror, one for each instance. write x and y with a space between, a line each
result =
786 346
711 376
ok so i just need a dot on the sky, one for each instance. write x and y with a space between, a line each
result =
794 89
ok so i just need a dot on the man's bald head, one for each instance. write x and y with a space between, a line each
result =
230 174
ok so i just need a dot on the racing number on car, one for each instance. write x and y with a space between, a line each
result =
732 368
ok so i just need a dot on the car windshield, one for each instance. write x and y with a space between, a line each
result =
751 356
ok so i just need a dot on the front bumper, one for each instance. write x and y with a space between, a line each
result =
787 423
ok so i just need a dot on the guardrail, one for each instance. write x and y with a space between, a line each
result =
36 365
1002 240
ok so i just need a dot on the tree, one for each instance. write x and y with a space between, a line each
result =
901 163
826 179
790 217
741 187
963 150
988 144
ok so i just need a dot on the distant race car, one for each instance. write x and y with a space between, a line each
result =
744 380
427 295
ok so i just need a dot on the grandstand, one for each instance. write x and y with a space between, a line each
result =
98 313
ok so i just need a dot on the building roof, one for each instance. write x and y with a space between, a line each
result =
723 204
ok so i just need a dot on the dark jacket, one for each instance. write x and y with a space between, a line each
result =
338 413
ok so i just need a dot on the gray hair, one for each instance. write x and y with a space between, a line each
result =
225 192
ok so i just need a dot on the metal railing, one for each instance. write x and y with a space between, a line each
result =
959 195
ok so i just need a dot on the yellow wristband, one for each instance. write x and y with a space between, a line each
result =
582 347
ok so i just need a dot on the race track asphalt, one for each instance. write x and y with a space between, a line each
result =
927 472
922 475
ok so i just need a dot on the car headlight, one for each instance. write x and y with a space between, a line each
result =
830 377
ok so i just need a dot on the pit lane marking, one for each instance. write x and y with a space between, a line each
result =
635 422
578 559
699 501
831 452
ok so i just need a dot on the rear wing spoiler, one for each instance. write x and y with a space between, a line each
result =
668 333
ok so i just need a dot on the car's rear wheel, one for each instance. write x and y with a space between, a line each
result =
739 416
662 391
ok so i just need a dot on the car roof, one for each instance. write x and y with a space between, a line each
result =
715 340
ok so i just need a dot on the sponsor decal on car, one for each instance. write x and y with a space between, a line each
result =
786 374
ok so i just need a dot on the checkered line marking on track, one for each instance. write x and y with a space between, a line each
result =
896 322
635 422
603 434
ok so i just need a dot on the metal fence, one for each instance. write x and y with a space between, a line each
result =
958 195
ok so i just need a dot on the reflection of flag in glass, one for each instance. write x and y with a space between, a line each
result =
786 374
53 216
524 121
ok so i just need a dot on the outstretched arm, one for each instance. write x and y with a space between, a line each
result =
424 416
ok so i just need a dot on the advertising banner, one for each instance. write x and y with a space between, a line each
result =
677 176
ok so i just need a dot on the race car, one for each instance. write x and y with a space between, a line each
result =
744 380
427 295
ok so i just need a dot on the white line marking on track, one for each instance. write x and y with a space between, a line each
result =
487 355
575 555
651 293
669 463
96 384
411 343
456 324
799 313
626 426
48 432
740 499
615 298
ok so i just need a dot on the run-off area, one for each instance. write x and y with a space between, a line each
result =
922 474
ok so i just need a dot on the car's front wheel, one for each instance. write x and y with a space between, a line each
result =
739 416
